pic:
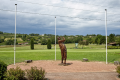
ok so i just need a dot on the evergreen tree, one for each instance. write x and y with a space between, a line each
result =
49 44
32 43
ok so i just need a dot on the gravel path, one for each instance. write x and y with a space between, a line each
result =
75 70
82 76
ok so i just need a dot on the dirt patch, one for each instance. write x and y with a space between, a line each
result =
51 66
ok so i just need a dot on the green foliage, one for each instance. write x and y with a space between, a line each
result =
102 40
15 74
82 43
23 37
118 70
32 44
77 39
43 42
3 69
118 41
1 32
49 44
1 40
19 35
87 42
10 42
35 42
32 34
111 38
90 40
98 41
35 74
53 40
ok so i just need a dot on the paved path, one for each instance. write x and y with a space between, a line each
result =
82 76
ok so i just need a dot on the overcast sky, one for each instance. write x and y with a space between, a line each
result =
73 17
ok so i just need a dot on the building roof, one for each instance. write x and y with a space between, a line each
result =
112 43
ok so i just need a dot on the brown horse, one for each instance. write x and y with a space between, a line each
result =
63 49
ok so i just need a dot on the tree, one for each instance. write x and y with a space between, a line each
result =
49 44
32 43
118 41
10 42
77 39
111 38
1 40
1 32
43 42
82 43
87 42
102 40
98 41
53 39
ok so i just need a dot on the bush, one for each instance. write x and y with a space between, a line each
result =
3 69
32 43
1 40
43 42
49 44
35 74
10 42
118 70
15 74
35 43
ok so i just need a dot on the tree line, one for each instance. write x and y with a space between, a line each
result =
88 39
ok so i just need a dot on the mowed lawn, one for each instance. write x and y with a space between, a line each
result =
92 52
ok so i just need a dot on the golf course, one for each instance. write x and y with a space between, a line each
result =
92 52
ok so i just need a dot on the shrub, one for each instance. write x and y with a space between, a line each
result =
118 70
113 47
15 74
49 44
3 69
35 43
10 42
32 43
35 74
43 42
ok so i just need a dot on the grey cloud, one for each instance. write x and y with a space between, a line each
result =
46 23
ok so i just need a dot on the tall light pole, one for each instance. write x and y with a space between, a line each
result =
106 31
15 32
55 38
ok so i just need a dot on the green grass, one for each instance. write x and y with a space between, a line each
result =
95 53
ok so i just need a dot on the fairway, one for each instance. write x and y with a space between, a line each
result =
97 53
